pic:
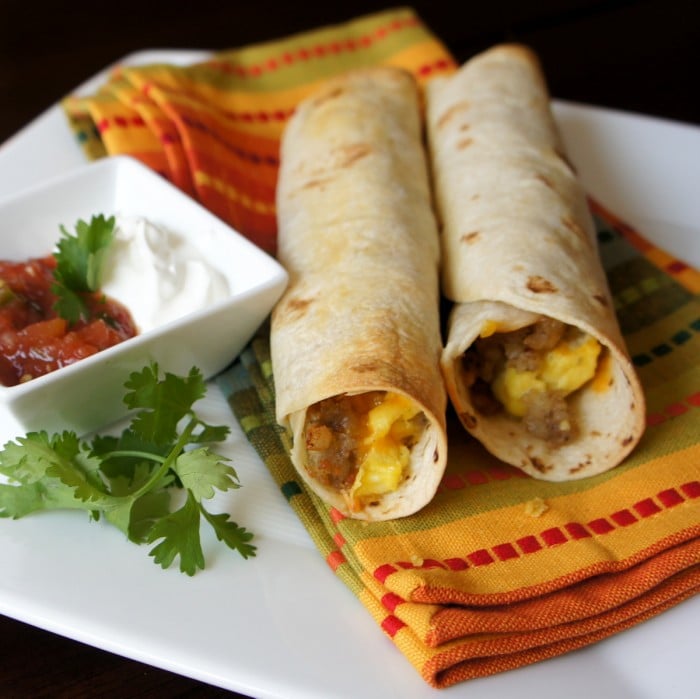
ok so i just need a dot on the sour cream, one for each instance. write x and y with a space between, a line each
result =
158 275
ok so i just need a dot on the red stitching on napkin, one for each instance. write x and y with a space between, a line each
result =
304 54
554 536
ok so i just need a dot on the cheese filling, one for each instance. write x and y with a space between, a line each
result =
385 452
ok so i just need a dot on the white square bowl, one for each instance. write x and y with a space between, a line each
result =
87 395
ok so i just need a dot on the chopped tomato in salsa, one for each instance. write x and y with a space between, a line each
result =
33 339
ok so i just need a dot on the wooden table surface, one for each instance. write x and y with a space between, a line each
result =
624 54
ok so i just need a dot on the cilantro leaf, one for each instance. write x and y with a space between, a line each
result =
179 532
53 472
211 433
72 474
163 402
147 510
201 471
27 459
128 479
123 456
230 533
69 305
79 262
17 502
79 257
37 455
136 518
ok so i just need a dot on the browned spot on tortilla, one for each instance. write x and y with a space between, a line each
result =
579 467
464 126
543 178
297 306
353 153
470 237
627 440
539 465
601 299
540 285
468 420
565 159
574 227
366 367
318 182
465 143
476 196
451 112
330 95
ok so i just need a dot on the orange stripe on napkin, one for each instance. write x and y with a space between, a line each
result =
162 128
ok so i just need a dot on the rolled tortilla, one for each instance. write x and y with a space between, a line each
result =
355 340
534 363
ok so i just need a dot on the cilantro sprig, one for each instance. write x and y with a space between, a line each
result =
129 479
79 264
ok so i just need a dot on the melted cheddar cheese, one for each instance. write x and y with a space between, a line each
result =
384 452
489 328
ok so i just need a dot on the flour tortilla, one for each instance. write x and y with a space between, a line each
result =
519 244
358 236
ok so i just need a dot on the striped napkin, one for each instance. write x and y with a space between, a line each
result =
500 570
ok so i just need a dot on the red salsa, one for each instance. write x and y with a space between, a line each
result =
33 339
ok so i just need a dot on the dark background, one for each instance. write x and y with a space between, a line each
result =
629 55
626 54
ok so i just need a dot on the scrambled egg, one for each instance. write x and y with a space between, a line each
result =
384 451
565 368
536 507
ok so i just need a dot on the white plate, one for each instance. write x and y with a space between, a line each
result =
281 624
